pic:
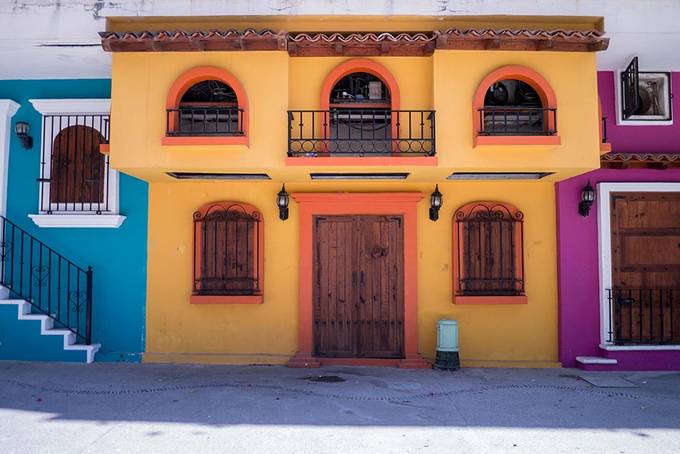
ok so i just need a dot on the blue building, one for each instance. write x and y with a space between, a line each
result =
65 211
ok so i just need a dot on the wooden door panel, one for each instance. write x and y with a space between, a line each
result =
646 267
333 293
380 308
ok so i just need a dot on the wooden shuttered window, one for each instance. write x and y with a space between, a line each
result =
488 253
228 244
77 166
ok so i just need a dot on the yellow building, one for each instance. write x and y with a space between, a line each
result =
419 164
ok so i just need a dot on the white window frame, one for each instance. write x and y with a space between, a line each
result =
619 103
65 214
604 227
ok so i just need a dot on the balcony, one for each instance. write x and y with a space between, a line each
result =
361 132
204 121
644 316
517 121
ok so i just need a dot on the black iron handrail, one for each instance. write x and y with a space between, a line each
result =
640 316
204 121
74 175
361 132
517 121
52 284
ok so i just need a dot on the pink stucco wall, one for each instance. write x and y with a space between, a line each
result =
636 139
578 259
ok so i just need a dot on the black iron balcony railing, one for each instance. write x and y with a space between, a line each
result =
204 121
644 316
74 173
361 132
49 282
517 121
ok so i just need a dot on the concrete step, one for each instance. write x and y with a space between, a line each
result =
596 363
47 328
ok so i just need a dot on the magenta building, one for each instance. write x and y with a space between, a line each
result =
619 256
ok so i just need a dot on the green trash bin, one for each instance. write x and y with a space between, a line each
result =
447 345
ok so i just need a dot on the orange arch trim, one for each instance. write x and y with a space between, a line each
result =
522 73
200 74
356 65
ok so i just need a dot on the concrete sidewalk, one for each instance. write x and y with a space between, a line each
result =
102 408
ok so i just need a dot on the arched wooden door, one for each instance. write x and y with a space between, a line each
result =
77 167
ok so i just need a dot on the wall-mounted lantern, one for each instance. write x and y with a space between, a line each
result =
22 130
435 203
587 199
282 200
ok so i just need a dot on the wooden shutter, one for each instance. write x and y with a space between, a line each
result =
489 250
228 246
77 167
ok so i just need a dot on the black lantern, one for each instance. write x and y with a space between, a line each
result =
587 199
435 203
22 130
282 202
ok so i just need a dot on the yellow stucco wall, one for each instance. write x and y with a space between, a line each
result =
275 82
490 335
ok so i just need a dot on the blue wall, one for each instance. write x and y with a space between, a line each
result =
118 256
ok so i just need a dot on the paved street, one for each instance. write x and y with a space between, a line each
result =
102 408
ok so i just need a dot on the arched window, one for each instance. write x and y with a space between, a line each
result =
228 250
488 250
77 167
515 101
209 104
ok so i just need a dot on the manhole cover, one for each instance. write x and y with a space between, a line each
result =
324 378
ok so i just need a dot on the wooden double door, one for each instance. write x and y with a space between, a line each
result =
646 267
358 286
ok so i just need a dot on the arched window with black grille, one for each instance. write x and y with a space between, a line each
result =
228 245
488 250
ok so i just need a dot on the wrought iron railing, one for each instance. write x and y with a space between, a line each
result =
74 175
643 315
227 245
361 132
52 284
517 121
204 121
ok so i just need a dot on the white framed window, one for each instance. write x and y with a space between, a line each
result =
643 98
77 188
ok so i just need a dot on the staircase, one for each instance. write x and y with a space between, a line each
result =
45 301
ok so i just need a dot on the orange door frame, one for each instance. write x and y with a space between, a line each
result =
400 203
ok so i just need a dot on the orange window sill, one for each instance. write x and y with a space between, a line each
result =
521 299
227 299
204 140
517 140
104 148
362 161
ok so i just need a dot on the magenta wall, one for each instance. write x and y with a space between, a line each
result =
578 272
639 139
578 258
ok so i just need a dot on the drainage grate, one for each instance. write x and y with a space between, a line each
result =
324 378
